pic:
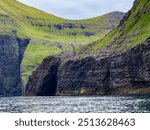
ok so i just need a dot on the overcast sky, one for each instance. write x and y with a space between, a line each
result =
80 9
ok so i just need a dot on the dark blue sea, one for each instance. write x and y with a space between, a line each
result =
76 104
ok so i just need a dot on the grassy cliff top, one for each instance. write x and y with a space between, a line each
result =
134 29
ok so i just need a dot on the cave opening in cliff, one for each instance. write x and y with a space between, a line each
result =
49 87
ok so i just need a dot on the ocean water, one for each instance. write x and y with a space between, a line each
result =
73 104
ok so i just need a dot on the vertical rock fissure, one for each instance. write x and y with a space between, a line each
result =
22 43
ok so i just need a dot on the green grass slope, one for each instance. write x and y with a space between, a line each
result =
50 34
134 29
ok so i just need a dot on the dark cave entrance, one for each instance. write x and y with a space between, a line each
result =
49 83
49 87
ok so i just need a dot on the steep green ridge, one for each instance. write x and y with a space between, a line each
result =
50 34
134 29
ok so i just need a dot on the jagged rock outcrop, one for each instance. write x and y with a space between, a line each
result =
45 78
43 82
11 54
94 75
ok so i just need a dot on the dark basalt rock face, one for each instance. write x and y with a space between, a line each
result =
11 54
86 75
131 69
93 74
69 25
88 34
43 81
